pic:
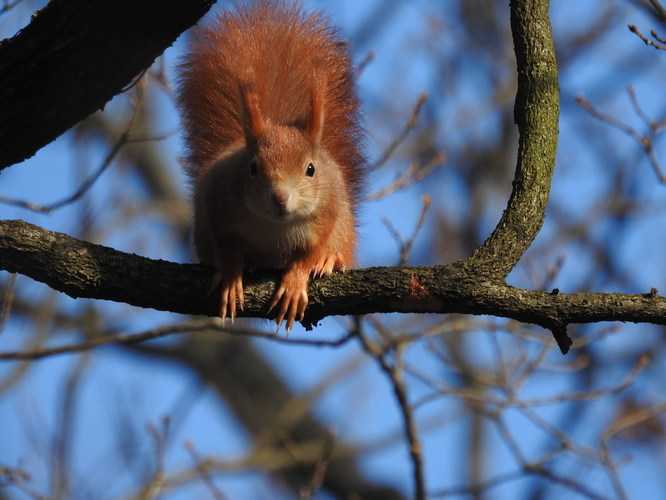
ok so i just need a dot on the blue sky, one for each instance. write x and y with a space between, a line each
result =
359 406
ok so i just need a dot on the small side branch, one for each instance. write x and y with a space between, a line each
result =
395 372
560 335
659 44
536 112
646 141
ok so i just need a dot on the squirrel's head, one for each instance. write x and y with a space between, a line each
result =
284 160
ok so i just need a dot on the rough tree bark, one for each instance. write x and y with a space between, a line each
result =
73 57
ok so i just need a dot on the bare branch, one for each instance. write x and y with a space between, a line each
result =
203 469
394 371
646 40
318 464
657 37
7 301
360 67
412 175
658 8
19 478
62 442
154 487
191 326
406 246
645 141
411 123
7 5
488 484
123 140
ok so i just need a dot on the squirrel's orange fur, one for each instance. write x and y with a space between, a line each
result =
272 130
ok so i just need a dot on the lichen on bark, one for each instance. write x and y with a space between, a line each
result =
536 113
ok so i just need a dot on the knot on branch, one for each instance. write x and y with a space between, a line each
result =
563 340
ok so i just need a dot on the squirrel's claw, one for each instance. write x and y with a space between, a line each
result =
327 264
231 294
292 297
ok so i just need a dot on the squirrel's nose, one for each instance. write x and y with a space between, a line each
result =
280 197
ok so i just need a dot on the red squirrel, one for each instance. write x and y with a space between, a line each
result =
271 119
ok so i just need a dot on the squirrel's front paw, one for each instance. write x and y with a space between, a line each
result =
327 264
292 297
231 293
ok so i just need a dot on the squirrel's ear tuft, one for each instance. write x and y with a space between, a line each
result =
254 124
315 123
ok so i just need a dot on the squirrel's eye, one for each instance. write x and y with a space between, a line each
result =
254 170
310 170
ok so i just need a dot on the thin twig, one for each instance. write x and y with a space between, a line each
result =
618 425
122 141
611 468
19 478
406 246
7 301
204 472
369 57
479 488
538 468
632 419
657 37
526 370
320 463
8 5
562 437
638 109
645 39
134 82
62 442
638 367
196 325
564 481
502 403
160 436
411 123
412 175
395 373
659 9
587 106
644 141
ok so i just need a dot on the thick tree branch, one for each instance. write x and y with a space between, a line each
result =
73 58
536 113
81 269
